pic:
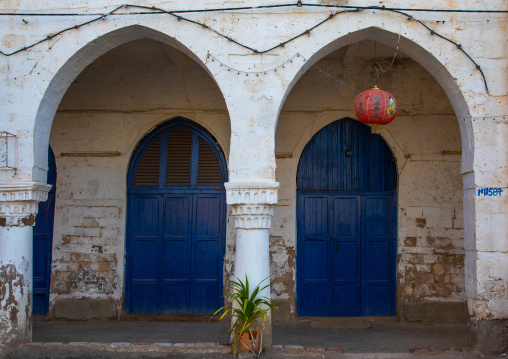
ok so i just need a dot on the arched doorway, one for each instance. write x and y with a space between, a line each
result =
176 222
346 245
43 244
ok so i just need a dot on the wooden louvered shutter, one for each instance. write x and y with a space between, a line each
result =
179 158
147 172
209 170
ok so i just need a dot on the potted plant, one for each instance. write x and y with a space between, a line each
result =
247 308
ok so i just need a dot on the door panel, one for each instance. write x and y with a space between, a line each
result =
43 244
345 301
315 286
179 272
207 259
345 263
379 260
175 296
177 239
377 301
345 274
175 259
346 220
316 219
346 267
145 245
205 298
176 229
316 298
315 265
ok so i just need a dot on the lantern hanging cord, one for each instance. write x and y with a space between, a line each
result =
153 10
375 62
391 63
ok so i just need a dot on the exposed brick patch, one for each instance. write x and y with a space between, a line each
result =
437 351
274 348
294 348
410 241
314 348
421 222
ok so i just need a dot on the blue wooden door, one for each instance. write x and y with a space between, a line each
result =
176 229
346 250
43 244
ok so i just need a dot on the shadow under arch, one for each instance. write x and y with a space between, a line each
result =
374 150
176 122
75 64
421 55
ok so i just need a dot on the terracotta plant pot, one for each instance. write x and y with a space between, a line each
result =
250 344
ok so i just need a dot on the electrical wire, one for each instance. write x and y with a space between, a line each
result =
263 7
341 83
175 13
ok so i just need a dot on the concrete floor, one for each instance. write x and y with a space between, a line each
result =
302 339
373 337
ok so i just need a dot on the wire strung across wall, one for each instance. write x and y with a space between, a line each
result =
211 58
341 83
153 10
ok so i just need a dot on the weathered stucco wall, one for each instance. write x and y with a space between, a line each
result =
427 152
119 104
110 107
125 93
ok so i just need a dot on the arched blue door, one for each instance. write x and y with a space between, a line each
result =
43 244
346 245
176 222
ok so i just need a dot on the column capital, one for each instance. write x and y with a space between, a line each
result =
19 202
252 203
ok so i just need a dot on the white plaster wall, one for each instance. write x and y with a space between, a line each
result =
38 70
33 83
125 93
428 153
110 107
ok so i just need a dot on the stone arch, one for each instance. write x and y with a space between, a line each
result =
74 65
419 53
198 122
354 195
457 89
187 288
395 148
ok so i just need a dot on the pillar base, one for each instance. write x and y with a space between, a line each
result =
252 207
266 329
15 285
488 337
18 207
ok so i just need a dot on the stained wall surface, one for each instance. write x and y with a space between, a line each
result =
125 93
427 151
101 87
109 108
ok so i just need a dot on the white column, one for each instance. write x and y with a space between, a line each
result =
18 208
486 238
252 206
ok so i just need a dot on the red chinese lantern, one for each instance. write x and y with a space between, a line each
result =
375 107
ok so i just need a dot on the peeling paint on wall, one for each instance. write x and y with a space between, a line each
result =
12 281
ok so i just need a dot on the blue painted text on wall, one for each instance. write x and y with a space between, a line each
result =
490 191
